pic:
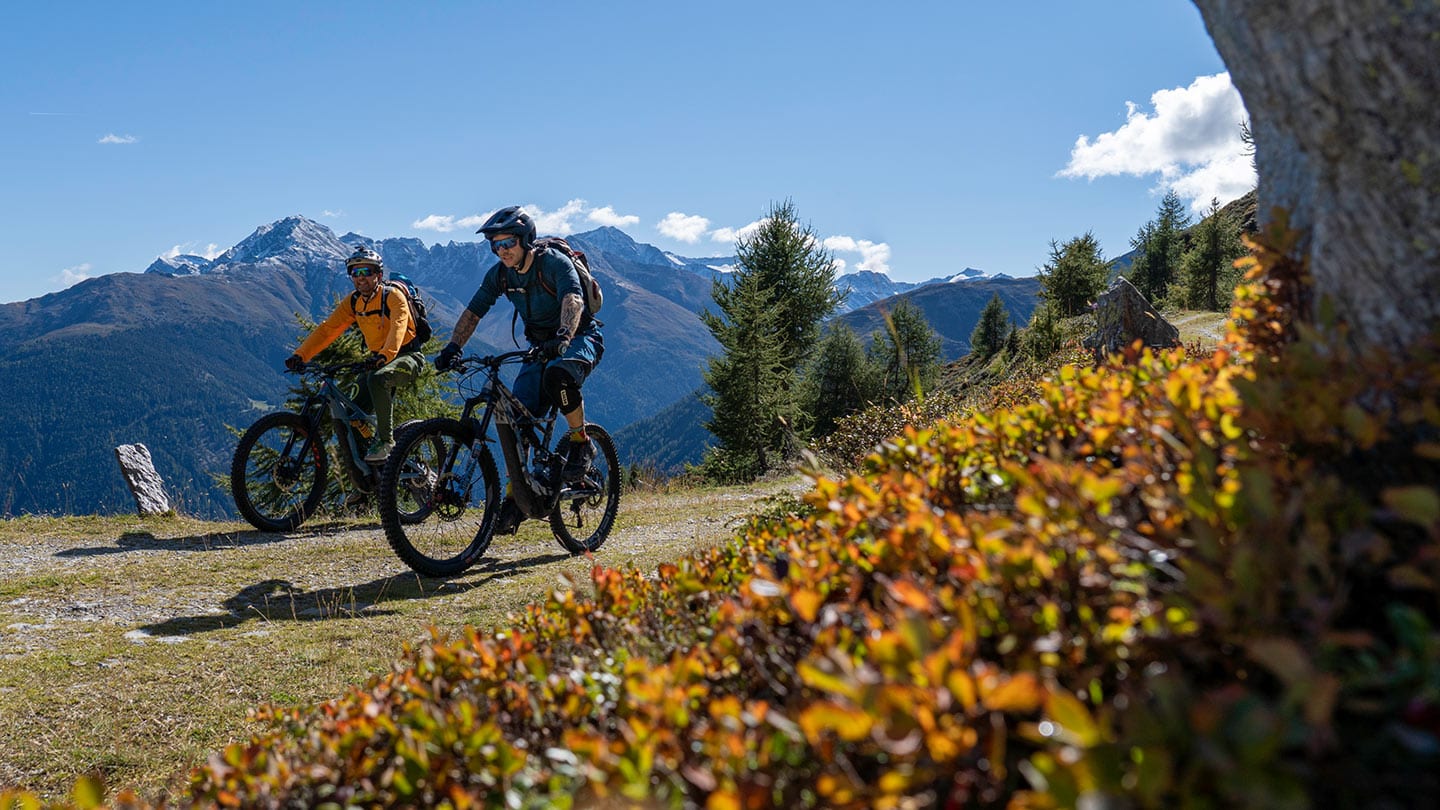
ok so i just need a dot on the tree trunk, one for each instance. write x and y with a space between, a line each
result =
1343 108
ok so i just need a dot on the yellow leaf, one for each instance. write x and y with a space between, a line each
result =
847 724
88 793
830 682
806 603
1072 716
1020 693
723 800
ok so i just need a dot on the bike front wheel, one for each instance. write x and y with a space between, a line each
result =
438 496
586 511
279 471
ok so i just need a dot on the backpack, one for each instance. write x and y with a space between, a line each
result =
588 286
418 315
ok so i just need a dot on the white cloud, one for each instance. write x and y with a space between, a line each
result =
874 256
733 235
209 252
71 276
607 216
113 138
1191 140
556 222
447 223
685 228
332 214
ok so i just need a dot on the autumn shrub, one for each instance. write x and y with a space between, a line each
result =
1165 581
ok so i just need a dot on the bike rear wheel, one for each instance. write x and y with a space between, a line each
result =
582 519
438 496
279 471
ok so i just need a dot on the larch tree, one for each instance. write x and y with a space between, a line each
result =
789 260
1075 275
1160 247
992 330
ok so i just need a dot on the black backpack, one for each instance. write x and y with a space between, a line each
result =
418 316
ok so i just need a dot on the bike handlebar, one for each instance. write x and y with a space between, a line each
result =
493 360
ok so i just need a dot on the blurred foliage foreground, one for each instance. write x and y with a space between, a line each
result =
1171 581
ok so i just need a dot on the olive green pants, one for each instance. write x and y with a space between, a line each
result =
377 388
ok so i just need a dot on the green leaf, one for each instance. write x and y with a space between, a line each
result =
1417 504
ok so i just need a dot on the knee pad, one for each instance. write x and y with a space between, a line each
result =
561 389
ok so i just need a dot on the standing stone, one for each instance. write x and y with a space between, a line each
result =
144 482
1122 315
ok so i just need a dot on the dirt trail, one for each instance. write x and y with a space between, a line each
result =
135 648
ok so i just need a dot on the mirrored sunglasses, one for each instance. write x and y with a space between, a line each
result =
497 245
362 270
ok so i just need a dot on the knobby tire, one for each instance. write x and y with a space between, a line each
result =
277 493
581 524
439 520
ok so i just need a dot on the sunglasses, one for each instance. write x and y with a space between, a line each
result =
497 245
362 270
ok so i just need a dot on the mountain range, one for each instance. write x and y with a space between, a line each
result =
172 356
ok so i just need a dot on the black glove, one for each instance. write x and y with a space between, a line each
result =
447 356
554 347
294 363
376 360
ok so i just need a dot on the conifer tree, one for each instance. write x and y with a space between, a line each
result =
840 379
1075 275
751 397
1160 245
789 261
990 333
906 354
1208 274
1042 336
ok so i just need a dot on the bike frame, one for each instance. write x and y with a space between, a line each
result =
523 437
341 409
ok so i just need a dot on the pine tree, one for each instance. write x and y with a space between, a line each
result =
1075 275
839 380
906 354
990 333
1042 336
1208 274
1159 243
790 262
750 396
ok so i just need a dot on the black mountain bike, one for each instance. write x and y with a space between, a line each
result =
440 489
281 467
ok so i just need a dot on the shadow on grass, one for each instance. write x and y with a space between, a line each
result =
210 541
278 600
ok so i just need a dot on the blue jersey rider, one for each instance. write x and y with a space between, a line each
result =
545 289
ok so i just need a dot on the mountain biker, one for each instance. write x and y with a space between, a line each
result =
545 289
383 317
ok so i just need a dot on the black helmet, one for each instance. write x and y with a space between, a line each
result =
364 255
512 220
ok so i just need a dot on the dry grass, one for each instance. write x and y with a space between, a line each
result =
132 648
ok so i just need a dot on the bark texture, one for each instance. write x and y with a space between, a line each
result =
1343 107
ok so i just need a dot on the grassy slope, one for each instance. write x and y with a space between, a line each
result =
134 647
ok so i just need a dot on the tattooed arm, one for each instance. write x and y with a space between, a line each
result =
464 327
570 308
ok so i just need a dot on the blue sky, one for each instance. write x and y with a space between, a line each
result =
916 138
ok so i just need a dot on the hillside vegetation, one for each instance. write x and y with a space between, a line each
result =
1175 580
